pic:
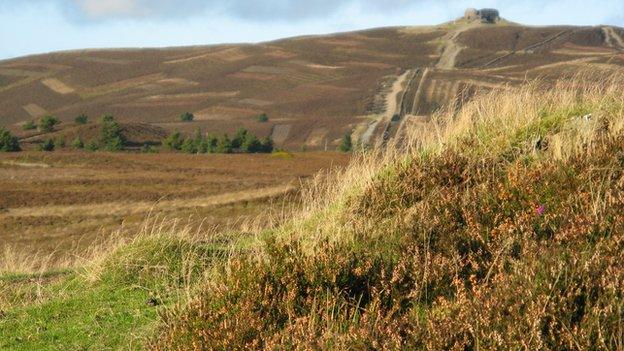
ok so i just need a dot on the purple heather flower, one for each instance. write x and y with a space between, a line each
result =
540 210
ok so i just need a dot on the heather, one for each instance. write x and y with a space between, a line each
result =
501 227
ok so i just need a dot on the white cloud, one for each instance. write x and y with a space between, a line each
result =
99 8
138 9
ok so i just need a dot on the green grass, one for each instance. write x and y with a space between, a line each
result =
110 305
78 315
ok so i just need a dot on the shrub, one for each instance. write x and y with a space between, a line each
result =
188 146
209 144
251 144
115 144
8 142
199 142
111 138
187 117
198 138
107 119
173 141
82 119
92 146
263 118
47 124
203 146
77 144
47 145
224 145
30 125
346 143
59 142
267 145
148 149
239 138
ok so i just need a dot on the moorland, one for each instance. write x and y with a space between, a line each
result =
481 207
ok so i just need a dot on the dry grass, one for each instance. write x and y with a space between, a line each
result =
34 110
131 208
61 202
57 86
496 119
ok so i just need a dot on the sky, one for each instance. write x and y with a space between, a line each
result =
39 26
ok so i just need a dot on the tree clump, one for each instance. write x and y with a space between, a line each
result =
346 144
262 118
47 123
82 119
92 146
47 145
30 125
8 142
60 142
77 144
111 138
242 142
187 117
173 141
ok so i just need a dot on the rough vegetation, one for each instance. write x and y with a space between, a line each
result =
346 143
111 138
500 226
47 124
81 119
29 125
8 142
186 117
243 142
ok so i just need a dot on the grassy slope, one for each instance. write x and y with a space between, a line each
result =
501 229
77 315
112 303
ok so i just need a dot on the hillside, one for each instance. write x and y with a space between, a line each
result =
314 88
500 227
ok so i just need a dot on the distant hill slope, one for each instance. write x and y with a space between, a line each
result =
314 88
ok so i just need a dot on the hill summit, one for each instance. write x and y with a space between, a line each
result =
484 15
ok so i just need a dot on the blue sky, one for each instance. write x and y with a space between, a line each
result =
38 26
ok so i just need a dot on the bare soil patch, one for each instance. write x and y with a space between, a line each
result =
35 110
252 76
280 133
256 102
224 112
104 60
57 86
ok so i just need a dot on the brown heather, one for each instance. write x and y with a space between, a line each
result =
502 228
